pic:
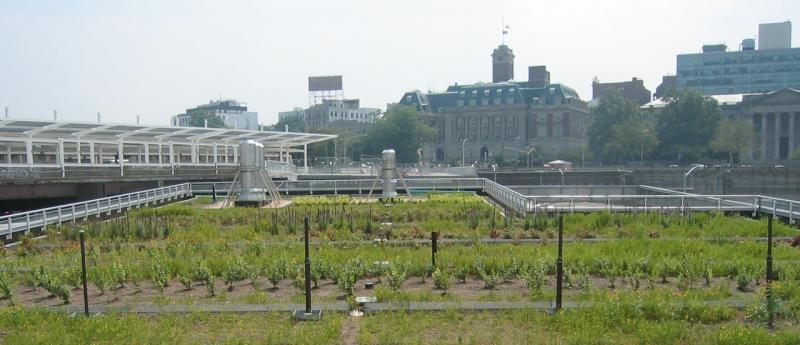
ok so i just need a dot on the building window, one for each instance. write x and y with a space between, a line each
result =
549 125
486 92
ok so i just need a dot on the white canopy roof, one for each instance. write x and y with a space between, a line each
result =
67 130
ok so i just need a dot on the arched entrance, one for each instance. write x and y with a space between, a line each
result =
484 154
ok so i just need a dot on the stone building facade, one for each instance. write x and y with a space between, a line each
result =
504 118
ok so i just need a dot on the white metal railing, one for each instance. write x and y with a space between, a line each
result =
522 204
25 221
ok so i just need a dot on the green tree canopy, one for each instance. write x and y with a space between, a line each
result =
402 129
733 137
686 125
630 140
296 124
613 110
198 119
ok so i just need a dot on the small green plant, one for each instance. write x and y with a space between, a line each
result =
203 274
160 276
396 276
441 280
462 272
237 270
5 288
185 279
743 281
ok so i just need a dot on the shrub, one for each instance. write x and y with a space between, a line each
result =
203 274
461 273
396 276
743 281
274 275
185 279
5 288
441 280
347 282
159 275
237 270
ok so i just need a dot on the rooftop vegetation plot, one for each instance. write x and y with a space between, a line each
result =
636 277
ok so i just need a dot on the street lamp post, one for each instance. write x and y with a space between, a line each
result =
686 175
562 176
463 156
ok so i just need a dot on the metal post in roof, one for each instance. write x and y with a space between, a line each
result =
98 117
120 157
55 115
305 158
6 112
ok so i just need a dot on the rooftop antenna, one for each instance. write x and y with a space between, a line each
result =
6 112
505 30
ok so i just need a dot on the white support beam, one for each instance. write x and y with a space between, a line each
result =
305 158
146 153
91 153
120 158
29 151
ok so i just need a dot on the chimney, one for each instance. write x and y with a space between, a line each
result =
538 76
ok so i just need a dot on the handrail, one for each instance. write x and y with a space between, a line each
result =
25 221
507 197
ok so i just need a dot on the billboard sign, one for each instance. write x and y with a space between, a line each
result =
325 83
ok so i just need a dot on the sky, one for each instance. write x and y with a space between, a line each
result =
155 58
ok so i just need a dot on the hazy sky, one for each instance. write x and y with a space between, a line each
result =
159 57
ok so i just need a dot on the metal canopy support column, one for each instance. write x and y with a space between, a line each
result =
120 158
776 151
216 169
791 133
160 154
235 155
305 158
91 153
146 153
764 137
195 158
172 157
29 151
61 157
78 150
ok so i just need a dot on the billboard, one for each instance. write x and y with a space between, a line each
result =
325 83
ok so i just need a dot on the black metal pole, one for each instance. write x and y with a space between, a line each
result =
214 192
83 274
434 247
770 306
307 268
560 261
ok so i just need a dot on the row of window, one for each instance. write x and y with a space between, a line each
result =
488 92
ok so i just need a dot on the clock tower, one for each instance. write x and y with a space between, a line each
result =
502 64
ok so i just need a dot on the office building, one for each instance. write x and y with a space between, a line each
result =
716 71
234 114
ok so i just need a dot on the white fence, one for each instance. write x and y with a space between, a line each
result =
25 221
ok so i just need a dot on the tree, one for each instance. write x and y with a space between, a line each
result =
630 140
687 124
296 124
402 129
733 137
198 119
613 110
